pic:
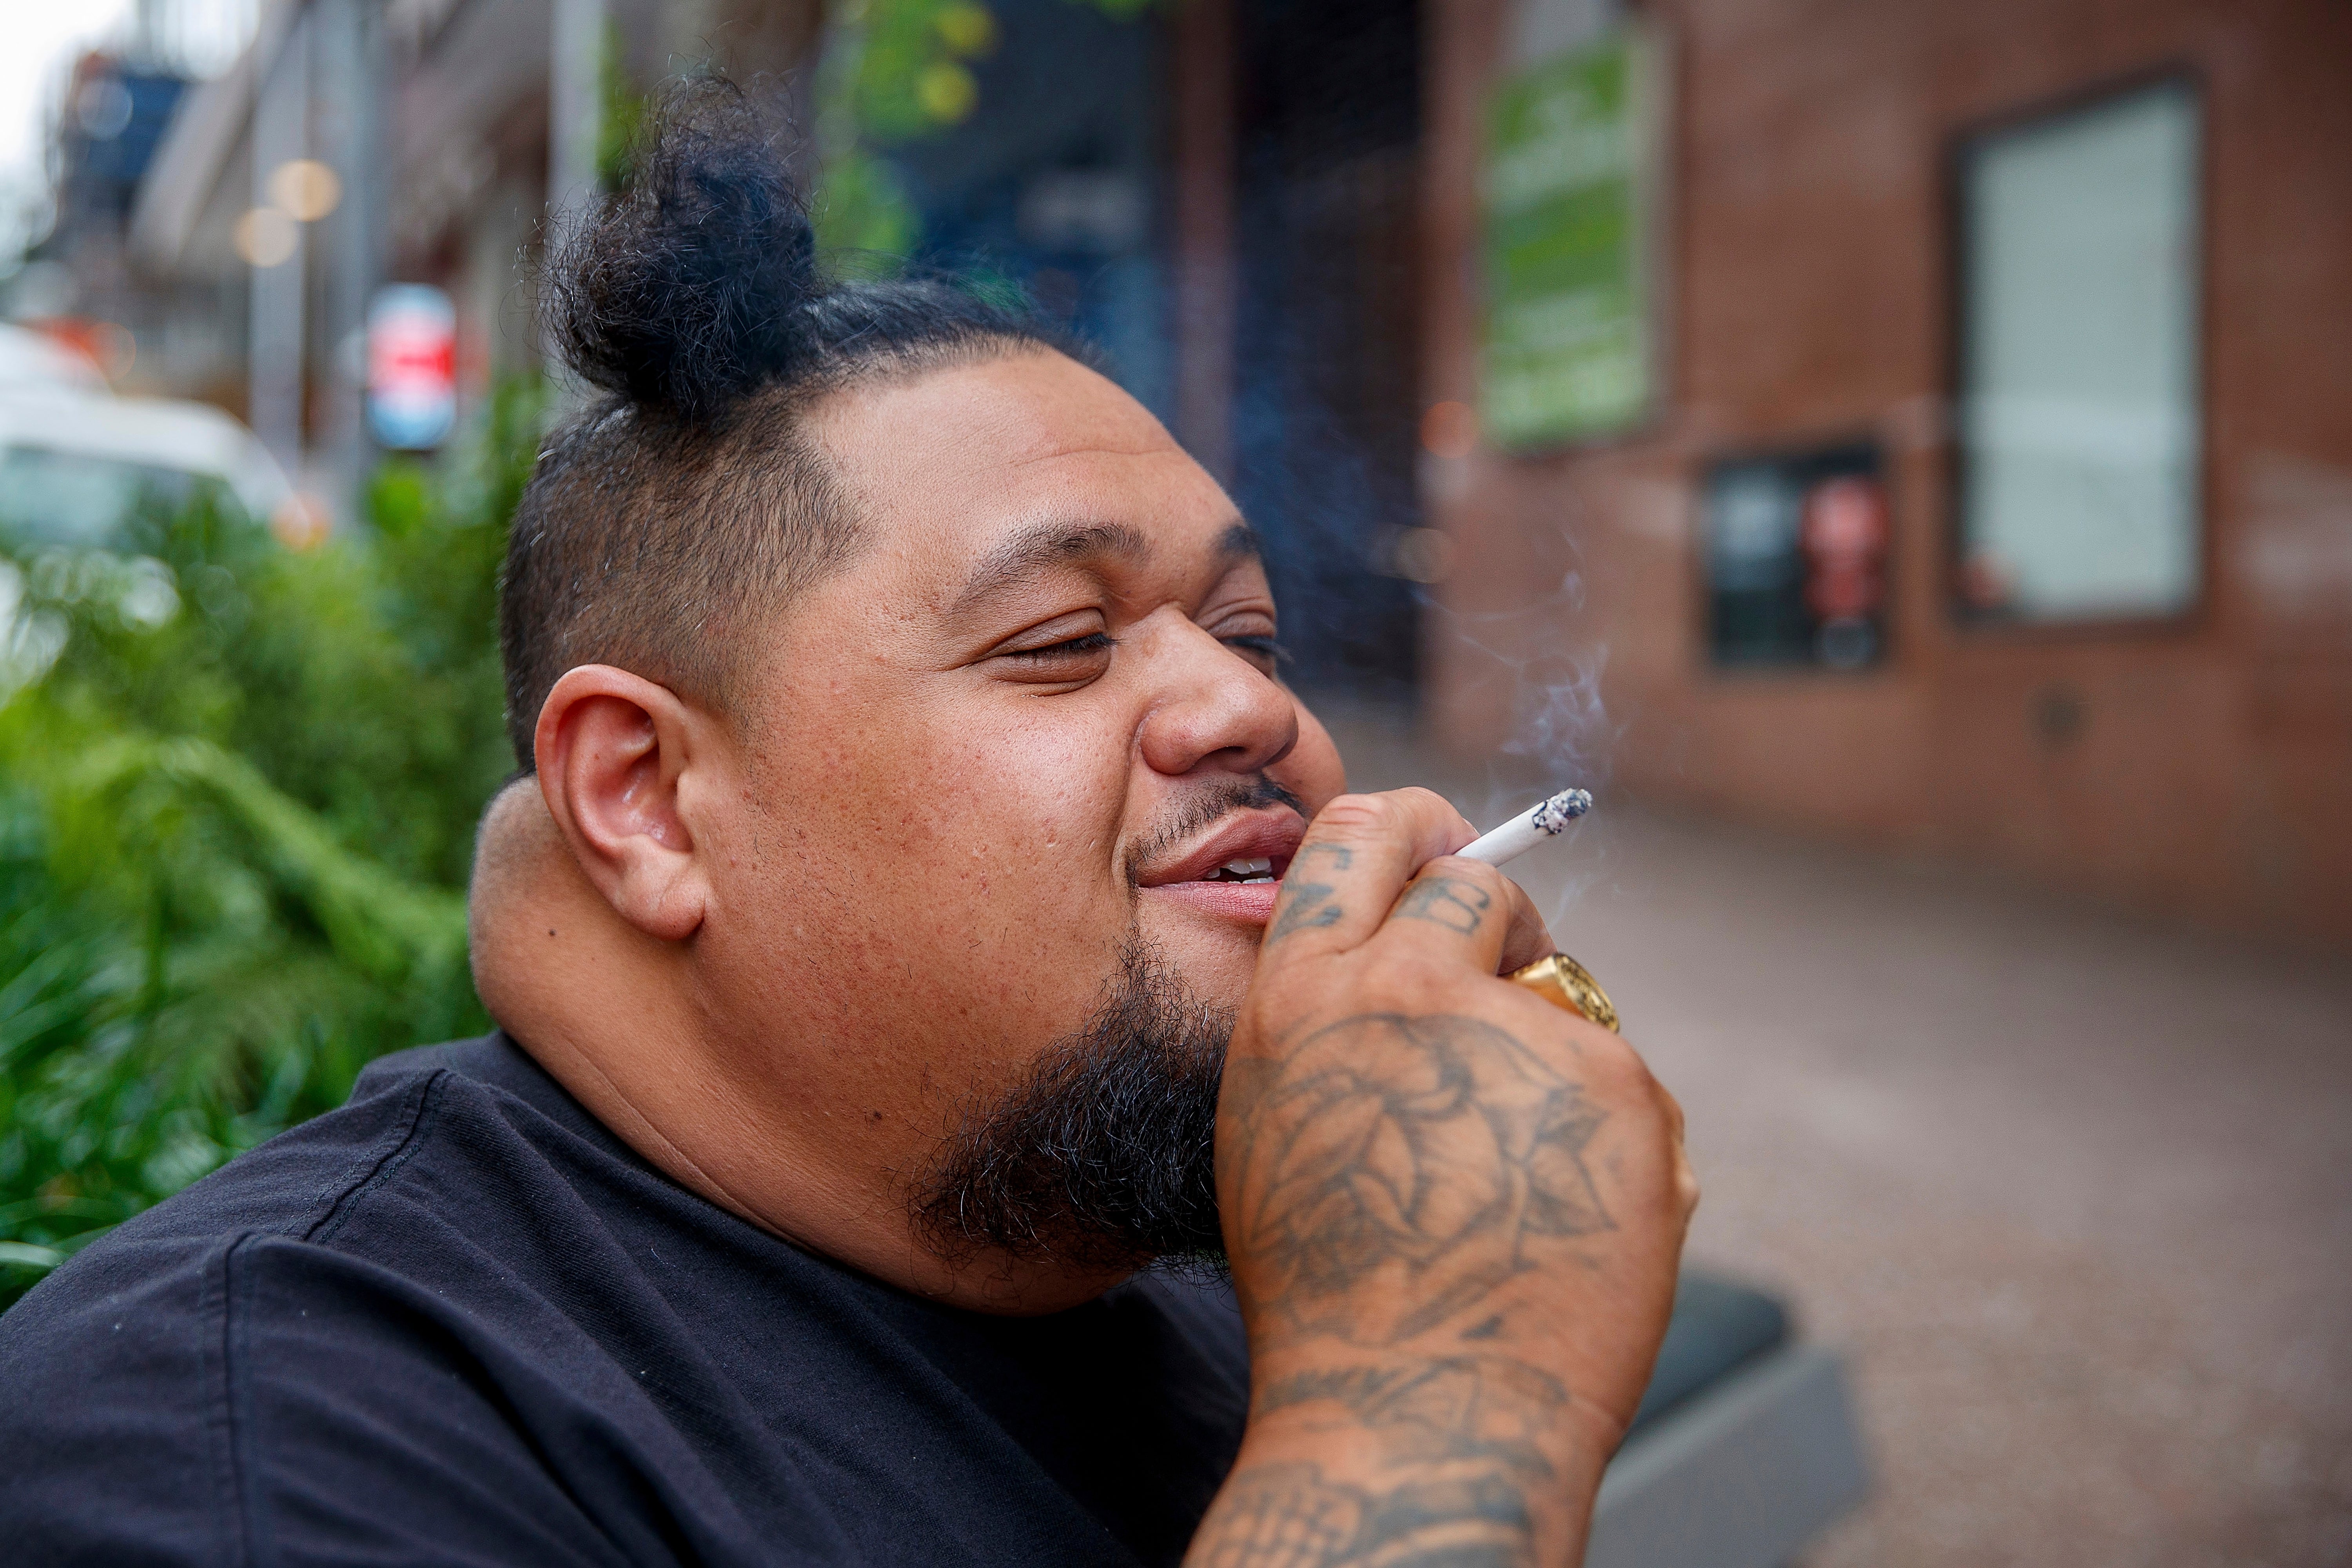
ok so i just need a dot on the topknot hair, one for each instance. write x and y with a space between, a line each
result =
688 290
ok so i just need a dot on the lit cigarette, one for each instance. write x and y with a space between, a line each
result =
1538 824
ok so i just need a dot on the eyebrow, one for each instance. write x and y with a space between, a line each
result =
1240 542
1062 543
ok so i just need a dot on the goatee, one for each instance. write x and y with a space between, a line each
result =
1104 1155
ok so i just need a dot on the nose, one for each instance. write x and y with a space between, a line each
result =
1211 707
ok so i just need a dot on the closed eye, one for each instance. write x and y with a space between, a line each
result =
1076 647
1264 653
1258 647
1062 667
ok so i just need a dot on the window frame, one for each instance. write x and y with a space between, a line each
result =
1961 146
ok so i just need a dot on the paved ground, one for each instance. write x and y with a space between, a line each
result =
2074 1192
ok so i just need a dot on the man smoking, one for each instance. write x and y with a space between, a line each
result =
931 948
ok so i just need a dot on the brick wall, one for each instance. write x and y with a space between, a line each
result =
2209 773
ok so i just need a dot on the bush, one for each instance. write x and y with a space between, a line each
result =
238 786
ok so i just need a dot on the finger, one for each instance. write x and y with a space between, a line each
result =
1528 938
1687 1188
1454 907
1357 856
1673 1109
1685 1178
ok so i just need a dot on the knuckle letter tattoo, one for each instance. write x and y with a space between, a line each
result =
1306 905
1446 901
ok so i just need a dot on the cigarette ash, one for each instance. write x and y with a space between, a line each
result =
1554 815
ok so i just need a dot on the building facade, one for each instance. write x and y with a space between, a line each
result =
1992 495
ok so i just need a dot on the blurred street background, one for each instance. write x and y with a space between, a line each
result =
2069 1186
1897 453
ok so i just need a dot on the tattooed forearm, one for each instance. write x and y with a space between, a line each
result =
1459 1407
1340 1157
1307 903
1447 901
1290 1516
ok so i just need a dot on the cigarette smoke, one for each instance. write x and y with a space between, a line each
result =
1561 731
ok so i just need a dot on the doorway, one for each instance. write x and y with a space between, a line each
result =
1327 396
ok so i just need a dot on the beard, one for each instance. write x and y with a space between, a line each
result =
1104 1155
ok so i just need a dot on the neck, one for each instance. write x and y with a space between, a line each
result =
741 1117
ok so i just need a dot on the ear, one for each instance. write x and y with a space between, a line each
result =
614 753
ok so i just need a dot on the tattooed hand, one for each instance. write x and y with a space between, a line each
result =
1454 1212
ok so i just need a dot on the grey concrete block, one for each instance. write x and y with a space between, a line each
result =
1741 1477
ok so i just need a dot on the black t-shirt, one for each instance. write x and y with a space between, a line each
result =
458 1322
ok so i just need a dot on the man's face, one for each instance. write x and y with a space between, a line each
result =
1025 726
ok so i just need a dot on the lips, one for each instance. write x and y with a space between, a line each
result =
1244 836
1238 840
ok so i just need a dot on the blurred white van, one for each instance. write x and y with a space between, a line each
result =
76 461
35 359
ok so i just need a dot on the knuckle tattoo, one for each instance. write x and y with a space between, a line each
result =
1455 903
1308 904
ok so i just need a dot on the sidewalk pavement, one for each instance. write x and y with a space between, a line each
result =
2074 1193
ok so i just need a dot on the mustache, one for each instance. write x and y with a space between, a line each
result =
1203 810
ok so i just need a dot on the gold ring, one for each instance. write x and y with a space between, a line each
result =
1565 983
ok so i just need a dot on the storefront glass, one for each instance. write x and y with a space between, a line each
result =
2078 406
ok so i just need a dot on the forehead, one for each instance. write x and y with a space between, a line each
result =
951 467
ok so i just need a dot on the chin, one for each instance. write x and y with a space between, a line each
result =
1216 965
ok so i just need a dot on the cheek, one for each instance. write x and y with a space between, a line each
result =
938 899
1019 848
1313 770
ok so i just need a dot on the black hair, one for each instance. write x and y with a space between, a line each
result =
686 499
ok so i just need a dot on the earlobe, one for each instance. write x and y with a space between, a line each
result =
612 749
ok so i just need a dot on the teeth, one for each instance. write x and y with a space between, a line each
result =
1250 868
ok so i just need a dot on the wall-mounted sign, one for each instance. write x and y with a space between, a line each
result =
1796 560
412 394
1566 349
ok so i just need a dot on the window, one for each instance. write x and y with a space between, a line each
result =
2078 396
1796 560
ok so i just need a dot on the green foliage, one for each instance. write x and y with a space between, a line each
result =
895 71
238 784
623 118
864 220
908 74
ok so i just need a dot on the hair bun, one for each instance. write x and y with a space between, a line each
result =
687 290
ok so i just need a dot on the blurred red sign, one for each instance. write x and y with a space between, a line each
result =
412 366
1844 542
